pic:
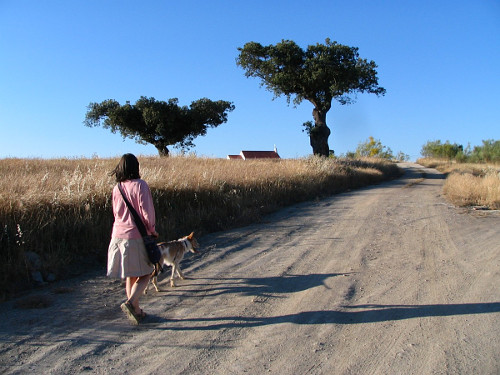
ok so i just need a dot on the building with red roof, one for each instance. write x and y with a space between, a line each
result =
244 155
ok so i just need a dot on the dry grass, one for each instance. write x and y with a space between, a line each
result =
61 208
469 184
469 190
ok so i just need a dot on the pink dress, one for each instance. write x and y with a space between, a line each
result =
127 256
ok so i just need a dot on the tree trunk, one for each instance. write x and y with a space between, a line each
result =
319 134
162 150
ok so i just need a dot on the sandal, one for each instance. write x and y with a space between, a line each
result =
128 309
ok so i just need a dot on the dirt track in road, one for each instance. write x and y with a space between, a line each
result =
384 280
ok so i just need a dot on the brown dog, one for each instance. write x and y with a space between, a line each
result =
172 253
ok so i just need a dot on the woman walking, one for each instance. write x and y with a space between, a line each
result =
127 257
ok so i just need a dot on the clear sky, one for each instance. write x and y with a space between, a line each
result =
438 60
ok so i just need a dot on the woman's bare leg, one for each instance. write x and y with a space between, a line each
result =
137 291
129 283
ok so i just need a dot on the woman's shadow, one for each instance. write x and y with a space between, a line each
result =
278 287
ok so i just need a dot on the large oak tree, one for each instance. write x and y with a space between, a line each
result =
319 74
159 123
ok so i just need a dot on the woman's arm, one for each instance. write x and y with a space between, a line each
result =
147 209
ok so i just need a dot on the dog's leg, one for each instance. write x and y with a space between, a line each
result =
172 282
154 281
179 272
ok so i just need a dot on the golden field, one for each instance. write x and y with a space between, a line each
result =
469 184
61 210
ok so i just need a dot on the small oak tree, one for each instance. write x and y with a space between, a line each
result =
319 74
159 123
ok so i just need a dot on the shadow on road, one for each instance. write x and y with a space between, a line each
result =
271 286
352 315
276 287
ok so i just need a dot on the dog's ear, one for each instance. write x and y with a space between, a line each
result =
191 236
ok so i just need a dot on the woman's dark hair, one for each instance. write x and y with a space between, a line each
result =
127 168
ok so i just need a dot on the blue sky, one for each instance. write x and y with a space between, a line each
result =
438 60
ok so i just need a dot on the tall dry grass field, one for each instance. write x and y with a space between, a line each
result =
469 184
61 209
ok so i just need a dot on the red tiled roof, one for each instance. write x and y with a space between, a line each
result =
235 157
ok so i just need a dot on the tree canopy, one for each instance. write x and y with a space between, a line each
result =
159 123
318 74
446 150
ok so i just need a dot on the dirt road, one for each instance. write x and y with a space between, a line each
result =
384 280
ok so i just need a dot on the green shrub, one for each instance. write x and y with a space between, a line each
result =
373 148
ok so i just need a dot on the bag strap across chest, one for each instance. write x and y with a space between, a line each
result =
137 219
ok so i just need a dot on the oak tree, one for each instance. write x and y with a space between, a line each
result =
157 122
319 74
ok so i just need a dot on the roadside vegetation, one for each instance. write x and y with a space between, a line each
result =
473 175
373 148
488 152
57 212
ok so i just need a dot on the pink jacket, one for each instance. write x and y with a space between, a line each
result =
139 195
